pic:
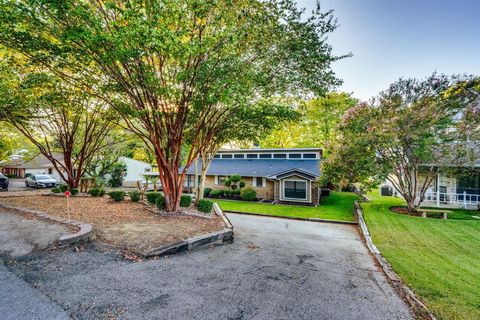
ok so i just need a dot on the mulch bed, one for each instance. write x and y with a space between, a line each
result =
404 210
124 224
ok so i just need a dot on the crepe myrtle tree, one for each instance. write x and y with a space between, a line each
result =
408 135
158 62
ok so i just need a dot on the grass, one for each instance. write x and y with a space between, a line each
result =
338 206
438 259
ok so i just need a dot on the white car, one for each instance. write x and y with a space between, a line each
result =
40 181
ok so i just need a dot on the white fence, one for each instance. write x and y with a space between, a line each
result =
464 200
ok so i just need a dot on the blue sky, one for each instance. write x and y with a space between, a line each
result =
390 39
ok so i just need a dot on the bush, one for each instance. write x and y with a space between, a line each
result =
185 201
206 191
117 195
248 194
102 192
204 205
152 197
56 190
160 201
236 192
94 192
116 175
74 191
227 183
242 184
62 187
228 193
134 196
218 193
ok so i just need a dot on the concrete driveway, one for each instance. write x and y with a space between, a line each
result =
275 269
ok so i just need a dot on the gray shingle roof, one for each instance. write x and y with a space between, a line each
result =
258 167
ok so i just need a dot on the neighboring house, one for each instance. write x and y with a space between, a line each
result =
37 165
280 175
135 170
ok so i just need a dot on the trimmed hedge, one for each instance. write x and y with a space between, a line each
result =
206 191
204 205
62 187
134 196
160 200
94 192
56 190
217 193
185 201
152 196
74 191
117 196
248 194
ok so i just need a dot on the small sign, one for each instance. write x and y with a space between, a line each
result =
67 193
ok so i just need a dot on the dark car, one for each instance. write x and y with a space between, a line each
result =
3 182
40 181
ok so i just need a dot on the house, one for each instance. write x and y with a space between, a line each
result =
39 164
135 170
278 175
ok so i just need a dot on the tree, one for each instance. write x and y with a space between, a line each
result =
408 135
155 62
316 126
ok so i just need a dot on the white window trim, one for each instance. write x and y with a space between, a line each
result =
307 186
254 181
216 179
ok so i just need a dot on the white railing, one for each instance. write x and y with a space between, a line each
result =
461 199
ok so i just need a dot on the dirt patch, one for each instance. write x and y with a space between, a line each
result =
434 214
125 224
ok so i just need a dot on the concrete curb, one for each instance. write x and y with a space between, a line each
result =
419 308
294 218
85 230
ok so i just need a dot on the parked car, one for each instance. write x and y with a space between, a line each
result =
3 182
40 181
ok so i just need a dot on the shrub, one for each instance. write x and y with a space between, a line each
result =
185 201
227 183
116 175
160 201
94 192
228 193
102 192
152 197
56 190
206 192
236 192
204 205
62 187
242 184
134 196
248 194
74 191
117 195
218 193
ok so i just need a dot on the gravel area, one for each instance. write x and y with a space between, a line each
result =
125 224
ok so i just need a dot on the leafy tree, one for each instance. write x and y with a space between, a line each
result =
158 63
408 135
116 174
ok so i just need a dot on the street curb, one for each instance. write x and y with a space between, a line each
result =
294 218
85 230
418 307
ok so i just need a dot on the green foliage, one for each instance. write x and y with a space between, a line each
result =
116 174
134 196
235 178
62 187
117 196
160 201
94 192
206 192
56 190
236 192
242 184
217 193
248 194
185 201
74 191
227 193
204 205
227 183
152 197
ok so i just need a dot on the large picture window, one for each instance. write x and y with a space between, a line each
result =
295 189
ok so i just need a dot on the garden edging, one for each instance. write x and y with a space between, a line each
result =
85 230
419 308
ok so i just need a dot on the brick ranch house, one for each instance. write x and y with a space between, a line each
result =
278 175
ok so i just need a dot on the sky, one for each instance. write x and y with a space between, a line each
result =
390 39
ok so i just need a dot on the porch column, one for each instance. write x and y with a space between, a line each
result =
438 190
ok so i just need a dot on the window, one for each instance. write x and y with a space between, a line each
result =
280 156
217 156
221 180
309 156
239 156
295 156
259 182
295 189
265 156
50 171
252 156
226 156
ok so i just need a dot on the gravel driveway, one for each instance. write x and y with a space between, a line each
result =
275 269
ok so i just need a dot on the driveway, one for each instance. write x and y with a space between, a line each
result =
275 269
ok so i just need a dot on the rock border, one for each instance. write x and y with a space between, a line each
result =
209 239
419 309
85 230
294 218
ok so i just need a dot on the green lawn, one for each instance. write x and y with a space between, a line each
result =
338 206
438 259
